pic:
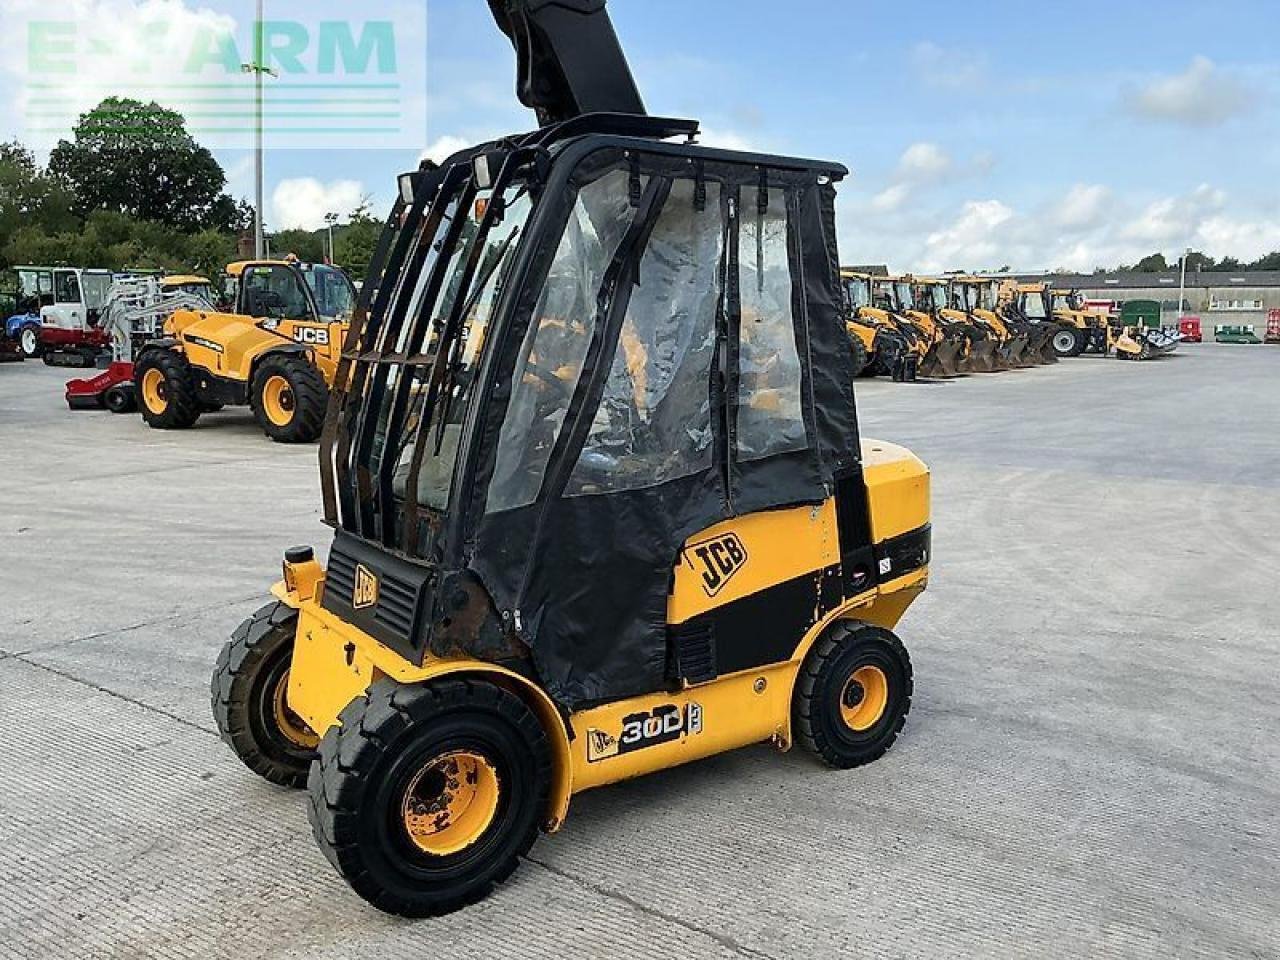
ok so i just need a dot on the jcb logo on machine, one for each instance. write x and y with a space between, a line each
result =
313 336
365 592
717 560
639 730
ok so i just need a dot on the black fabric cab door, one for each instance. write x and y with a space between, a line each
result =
671 282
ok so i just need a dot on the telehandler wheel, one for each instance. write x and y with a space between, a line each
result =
288 398
250 706
853 694
166 390
1069 342
424 796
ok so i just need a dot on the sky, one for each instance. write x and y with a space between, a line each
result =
979 135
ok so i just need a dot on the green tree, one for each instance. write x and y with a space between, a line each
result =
1155 263
354 242
1270 262
139 159
209 251
1199 261
28 198
306 245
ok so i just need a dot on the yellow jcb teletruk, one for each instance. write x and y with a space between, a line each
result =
600 500
277 352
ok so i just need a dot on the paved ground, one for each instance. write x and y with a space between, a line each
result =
1092 766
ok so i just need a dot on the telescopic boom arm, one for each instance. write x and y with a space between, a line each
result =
568 58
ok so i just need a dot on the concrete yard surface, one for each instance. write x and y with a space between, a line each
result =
1091 766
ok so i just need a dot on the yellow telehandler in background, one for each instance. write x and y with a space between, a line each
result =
277 351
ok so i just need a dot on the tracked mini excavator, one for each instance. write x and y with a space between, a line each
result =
599 501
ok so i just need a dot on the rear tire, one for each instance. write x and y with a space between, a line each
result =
248 696
289 398
166 390
1069 342
853 695
402 826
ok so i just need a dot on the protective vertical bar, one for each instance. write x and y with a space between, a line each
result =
728 324
418 334
444 358
328 436
374 362
365 341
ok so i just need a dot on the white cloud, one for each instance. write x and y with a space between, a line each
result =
1171 219
1084 206
923 163
974 238
1200 96
1085 228
891 198
110 46
302 202
442 148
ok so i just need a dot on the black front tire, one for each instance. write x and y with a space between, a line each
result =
859 355
820 724
308 398
180 409
120 399
246 683
365 767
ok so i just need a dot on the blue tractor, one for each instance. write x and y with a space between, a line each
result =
21 309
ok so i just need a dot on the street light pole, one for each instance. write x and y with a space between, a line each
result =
258 246
330 219
1182 287
259 69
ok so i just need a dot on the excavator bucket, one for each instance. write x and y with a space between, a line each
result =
945 356
982 352
1014 350
1040 347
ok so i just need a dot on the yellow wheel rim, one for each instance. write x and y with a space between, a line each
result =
864 698
293 727
277 400
450 802
155 392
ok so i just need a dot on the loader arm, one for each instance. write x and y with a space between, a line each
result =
568 58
